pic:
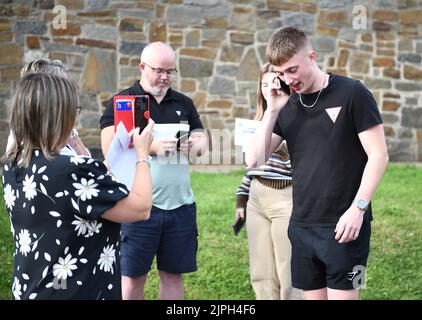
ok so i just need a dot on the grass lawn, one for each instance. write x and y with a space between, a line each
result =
395 261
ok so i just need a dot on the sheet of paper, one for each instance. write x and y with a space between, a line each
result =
244 131
120 158
169 130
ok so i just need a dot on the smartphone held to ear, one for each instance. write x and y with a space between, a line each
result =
282 86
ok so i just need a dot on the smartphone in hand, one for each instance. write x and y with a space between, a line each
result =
181 137
237 226
282 86
141 112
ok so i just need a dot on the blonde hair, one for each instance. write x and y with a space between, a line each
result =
261 103
43 115
46 66
284 43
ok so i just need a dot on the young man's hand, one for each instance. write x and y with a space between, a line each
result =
349 224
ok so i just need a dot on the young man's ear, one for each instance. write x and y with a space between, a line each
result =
312 57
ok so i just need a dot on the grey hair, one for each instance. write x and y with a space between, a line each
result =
55 67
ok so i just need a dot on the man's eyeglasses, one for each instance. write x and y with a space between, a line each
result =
160 72
78 109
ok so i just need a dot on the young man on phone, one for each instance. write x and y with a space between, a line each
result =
338 154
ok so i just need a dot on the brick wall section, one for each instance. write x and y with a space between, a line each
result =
220 46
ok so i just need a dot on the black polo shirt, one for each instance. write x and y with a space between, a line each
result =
174 108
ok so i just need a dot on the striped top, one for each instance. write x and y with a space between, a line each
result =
276 173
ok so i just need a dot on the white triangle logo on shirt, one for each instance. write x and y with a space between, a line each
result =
333 113
178 112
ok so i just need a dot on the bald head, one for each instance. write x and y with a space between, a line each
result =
158 52
158 68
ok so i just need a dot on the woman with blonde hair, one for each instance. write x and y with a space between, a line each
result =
65 210
266 195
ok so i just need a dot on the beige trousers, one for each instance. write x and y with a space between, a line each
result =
268 214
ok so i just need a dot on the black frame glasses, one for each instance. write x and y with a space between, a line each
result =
160 71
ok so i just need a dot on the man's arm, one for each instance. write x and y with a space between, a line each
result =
265 141
257 153
373 142
77 145
107 135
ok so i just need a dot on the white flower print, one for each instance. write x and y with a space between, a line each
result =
24 242
81 225
9 196
64 267
29 186
107 258
93 227
16 289
86 189
77 159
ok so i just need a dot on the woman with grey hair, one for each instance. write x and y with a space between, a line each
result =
74 144
46 66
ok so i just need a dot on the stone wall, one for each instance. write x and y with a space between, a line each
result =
220 45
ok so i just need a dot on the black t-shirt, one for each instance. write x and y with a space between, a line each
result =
174 108
325 151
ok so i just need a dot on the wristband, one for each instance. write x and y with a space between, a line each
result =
142 160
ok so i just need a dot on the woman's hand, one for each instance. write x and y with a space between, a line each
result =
240 212
142 142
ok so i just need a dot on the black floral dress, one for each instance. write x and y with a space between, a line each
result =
63 248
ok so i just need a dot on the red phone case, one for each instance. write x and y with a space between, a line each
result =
125 110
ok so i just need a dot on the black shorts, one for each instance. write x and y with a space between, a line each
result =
319 261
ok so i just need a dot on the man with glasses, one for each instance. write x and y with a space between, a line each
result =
171 232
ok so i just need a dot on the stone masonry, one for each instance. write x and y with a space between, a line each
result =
220 46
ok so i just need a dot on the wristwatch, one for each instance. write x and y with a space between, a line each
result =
361 204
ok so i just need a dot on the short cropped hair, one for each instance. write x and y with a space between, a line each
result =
284 43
